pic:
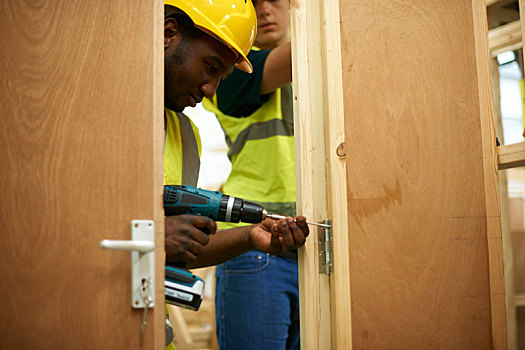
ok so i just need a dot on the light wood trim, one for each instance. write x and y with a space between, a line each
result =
158 178
519 299
493 2
318 86
314 289
511 156
493 214
504 38
508 261
337 176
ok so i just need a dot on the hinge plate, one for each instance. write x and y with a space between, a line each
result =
324 234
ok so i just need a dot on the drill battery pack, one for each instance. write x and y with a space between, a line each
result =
182 288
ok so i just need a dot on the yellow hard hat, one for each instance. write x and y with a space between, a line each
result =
233 22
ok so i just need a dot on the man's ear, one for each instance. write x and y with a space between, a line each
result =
171 33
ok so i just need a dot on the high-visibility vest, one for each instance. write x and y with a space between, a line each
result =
261 150
182 150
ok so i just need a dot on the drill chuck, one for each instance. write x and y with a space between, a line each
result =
252 213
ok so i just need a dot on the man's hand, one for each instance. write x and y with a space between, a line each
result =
274 237
184 238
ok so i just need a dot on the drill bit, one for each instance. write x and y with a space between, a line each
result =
277 217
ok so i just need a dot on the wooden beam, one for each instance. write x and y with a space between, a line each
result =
492 195
311 179
336 173
519 299
511 156
508 261
505 38
494 2
521 6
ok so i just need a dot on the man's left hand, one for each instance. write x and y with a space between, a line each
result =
271 236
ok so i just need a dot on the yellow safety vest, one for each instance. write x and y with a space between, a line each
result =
261 149
182 152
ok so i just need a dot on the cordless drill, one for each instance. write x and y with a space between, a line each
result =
182 288
213 204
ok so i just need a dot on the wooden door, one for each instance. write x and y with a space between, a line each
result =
396 145
81 143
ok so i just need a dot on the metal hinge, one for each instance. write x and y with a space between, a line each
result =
326 260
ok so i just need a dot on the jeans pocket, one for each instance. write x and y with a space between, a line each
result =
247 263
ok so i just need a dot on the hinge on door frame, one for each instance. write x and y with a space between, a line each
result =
324 234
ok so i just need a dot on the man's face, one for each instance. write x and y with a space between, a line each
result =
192 70
272 22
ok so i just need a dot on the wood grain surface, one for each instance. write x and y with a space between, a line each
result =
422 184
81 149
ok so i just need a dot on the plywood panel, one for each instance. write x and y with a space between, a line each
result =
423 226
81 149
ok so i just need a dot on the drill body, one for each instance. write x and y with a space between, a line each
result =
213 204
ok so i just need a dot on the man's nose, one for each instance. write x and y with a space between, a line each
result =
209 88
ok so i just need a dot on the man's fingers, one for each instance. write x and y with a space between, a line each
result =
299 234
204 223
198 236
301 222
287 238
189 257
195 247
275 244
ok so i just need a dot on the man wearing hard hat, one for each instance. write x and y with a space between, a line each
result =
203 41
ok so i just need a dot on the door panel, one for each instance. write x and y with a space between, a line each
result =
396 145
81 144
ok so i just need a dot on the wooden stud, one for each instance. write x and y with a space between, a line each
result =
505 38
314 289
521 4
494 2
511 156
519 299
492 200
508 262
337 196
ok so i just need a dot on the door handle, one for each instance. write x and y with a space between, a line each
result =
142 247
139 246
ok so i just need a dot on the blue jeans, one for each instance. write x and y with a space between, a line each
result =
257 303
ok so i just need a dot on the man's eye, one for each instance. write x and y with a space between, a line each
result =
211 69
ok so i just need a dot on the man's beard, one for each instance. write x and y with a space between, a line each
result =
172 65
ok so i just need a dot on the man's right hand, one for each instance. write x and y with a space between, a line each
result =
184 238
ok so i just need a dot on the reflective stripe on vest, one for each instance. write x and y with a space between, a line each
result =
265 129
